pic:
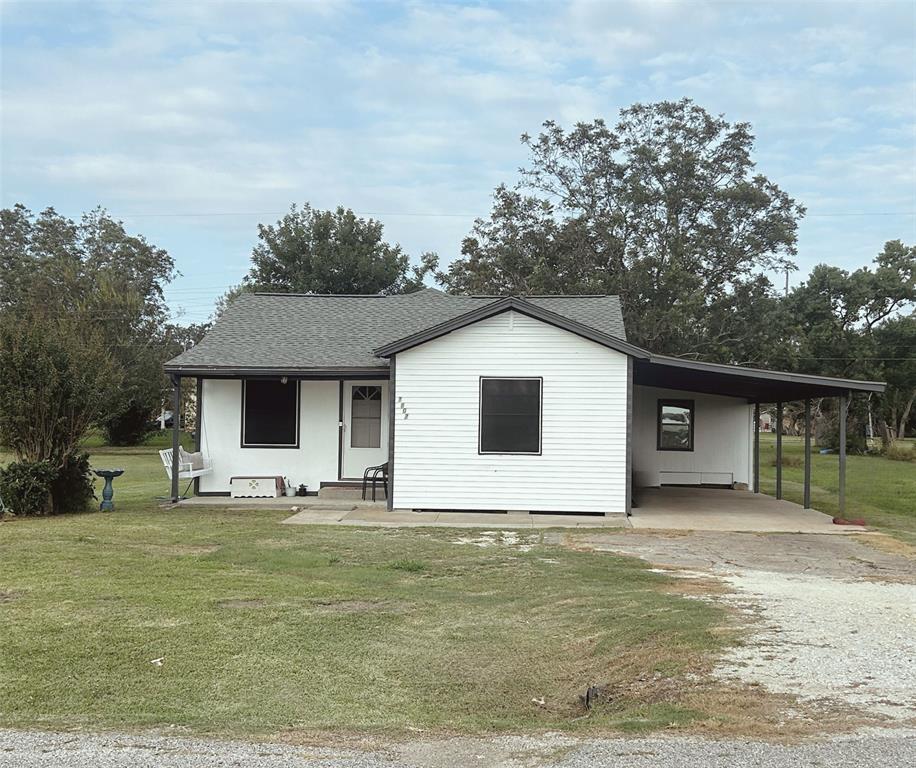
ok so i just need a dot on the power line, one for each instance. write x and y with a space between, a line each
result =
437 214
429 214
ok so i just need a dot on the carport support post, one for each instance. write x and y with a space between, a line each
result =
808 453
778 450
843 403
756 447
176 420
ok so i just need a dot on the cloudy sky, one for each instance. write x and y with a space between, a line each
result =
193 122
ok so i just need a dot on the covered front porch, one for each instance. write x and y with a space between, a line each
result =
316 432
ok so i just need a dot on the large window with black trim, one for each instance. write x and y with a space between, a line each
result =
270 413
675 425
510 415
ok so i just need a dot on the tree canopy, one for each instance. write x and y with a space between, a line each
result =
315 251
665 209
95 274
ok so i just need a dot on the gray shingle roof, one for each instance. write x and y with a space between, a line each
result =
300 332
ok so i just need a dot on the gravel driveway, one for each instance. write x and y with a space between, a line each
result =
832 618
21 749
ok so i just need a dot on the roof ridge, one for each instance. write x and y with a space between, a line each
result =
541 295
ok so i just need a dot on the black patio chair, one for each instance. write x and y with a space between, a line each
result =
376 474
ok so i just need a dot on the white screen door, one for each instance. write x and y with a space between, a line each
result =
365 432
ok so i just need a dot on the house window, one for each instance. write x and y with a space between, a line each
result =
366 417
675 425
270 413
510 416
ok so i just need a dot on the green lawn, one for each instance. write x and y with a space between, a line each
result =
267 628
878 489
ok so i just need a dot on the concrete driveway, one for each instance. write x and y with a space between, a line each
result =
722 509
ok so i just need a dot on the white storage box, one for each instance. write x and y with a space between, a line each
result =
265 487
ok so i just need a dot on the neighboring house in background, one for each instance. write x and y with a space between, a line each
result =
478 403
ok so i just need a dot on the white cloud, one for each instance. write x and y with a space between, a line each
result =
167 107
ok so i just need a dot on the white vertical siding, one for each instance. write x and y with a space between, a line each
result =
582 467
721 440
314 461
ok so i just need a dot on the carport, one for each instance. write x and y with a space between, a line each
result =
758 388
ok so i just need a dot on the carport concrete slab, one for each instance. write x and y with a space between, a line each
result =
715 509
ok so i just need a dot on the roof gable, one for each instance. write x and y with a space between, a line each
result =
516 304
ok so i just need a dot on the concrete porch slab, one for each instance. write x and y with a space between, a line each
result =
715 509
283 502
410 519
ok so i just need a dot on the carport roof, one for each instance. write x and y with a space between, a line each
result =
754 384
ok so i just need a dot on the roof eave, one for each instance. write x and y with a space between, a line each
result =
805 379
249 371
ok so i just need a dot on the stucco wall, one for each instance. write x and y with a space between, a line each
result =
722 439
314 461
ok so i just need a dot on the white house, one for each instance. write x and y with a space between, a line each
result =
531 403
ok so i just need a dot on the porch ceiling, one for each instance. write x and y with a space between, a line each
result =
754 384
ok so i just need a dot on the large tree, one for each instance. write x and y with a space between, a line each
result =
665 209
95 272
860 324
314 251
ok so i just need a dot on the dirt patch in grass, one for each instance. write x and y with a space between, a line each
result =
8 595
241 603
889 544
179 549
360 606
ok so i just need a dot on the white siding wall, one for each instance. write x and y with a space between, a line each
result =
314 461
721 441
583 463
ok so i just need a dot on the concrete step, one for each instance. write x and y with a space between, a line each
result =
343 492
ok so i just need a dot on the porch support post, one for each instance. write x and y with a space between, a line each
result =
629 461
389 495
843 403
198 427
176 425
807 502
756 447
778 450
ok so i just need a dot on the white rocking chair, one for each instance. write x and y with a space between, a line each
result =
186 469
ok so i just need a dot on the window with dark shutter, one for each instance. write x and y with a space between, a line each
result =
510 415
270 413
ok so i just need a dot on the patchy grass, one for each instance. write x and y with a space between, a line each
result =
263 628
879 489
342 629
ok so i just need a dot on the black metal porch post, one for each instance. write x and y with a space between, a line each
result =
176 419
807 502
778 450
843 403
756 447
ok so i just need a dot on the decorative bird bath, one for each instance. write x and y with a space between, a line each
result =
107 504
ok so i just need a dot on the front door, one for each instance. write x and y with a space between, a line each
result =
364 435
